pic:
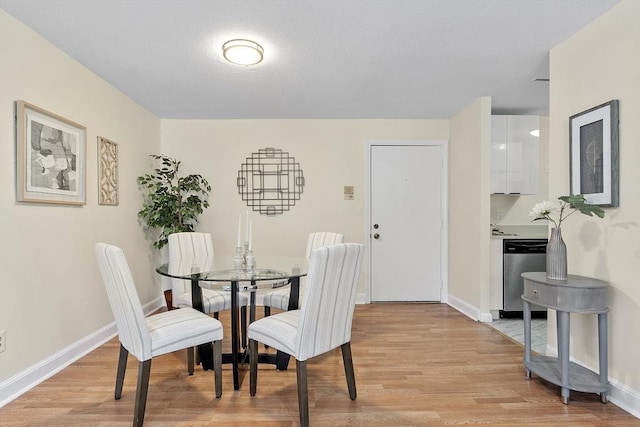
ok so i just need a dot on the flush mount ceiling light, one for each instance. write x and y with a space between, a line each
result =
242 52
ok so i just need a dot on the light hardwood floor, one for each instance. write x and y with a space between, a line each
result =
415 364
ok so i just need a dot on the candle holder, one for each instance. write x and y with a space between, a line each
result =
245 251
250 261
238 259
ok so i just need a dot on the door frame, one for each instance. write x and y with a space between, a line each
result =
444 235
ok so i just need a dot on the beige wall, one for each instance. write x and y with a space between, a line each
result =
50 292
331 154
600 63
469 172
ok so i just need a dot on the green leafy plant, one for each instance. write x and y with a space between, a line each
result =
567 206
172 203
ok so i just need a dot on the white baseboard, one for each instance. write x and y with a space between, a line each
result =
464 307
13 387
469 310
362 298
486 317
625 397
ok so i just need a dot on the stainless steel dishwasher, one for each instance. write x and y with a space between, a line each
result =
521 256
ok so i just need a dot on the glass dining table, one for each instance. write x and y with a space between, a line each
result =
218 273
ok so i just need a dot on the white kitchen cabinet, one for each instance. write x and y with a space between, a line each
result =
514 154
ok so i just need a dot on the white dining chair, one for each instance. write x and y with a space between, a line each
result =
280 298
199 245
148 337
322 323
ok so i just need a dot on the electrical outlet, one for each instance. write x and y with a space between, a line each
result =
3 341
498 214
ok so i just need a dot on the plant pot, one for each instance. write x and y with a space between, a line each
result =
556 256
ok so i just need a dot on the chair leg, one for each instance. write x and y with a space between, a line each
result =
267 313
122 367
348 369
217 366
144 369
190 359
243 323
303 395
168 297
253 366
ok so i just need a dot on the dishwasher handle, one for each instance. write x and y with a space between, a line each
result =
524 246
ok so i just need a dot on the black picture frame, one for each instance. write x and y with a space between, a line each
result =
594 167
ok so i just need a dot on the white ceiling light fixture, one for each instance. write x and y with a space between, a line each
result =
242 52
535 133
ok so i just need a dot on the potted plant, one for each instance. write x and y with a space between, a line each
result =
172 202
556 248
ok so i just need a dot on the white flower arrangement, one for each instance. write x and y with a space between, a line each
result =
566 207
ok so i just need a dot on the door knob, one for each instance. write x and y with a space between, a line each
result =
376 236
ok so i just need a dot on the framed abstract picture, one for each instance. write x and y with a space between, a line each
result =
51 157
594 165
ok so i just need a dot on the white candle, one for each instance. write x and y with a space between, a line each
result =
239 243
246 230
250 226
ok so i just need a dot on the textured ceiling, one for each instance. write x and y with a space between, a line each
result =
323 58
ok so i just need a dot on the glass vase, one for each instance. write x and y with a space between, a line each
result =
556 256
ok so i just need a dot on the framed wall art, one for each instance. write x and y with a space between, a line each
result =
594 154
51 157
107 172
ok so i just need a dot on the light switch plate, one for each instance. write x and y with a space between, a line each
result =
348 192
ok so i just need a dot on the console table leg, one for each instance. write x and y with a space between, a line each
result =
603 354
563 353
527 337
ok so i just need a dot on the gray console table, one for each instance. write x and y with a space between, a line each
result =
577 294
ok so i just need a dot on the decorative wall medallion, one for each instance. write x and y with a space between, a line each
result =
270 181
108 172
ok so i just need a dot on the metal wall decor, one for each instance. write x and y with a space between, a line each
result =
270 181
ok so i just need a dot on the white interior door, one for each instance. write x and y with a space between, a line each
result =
406 222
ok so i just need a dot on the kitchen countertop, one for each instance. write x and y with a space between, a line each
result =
520 231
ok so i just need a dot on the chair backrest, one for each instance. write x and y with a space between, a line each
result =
327 310
320 239
124 300
187 245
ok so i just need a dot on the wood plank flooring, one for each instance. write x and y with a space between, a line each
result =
415 364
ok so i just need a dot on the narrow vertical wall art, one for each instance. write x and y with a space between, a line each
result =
108 172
